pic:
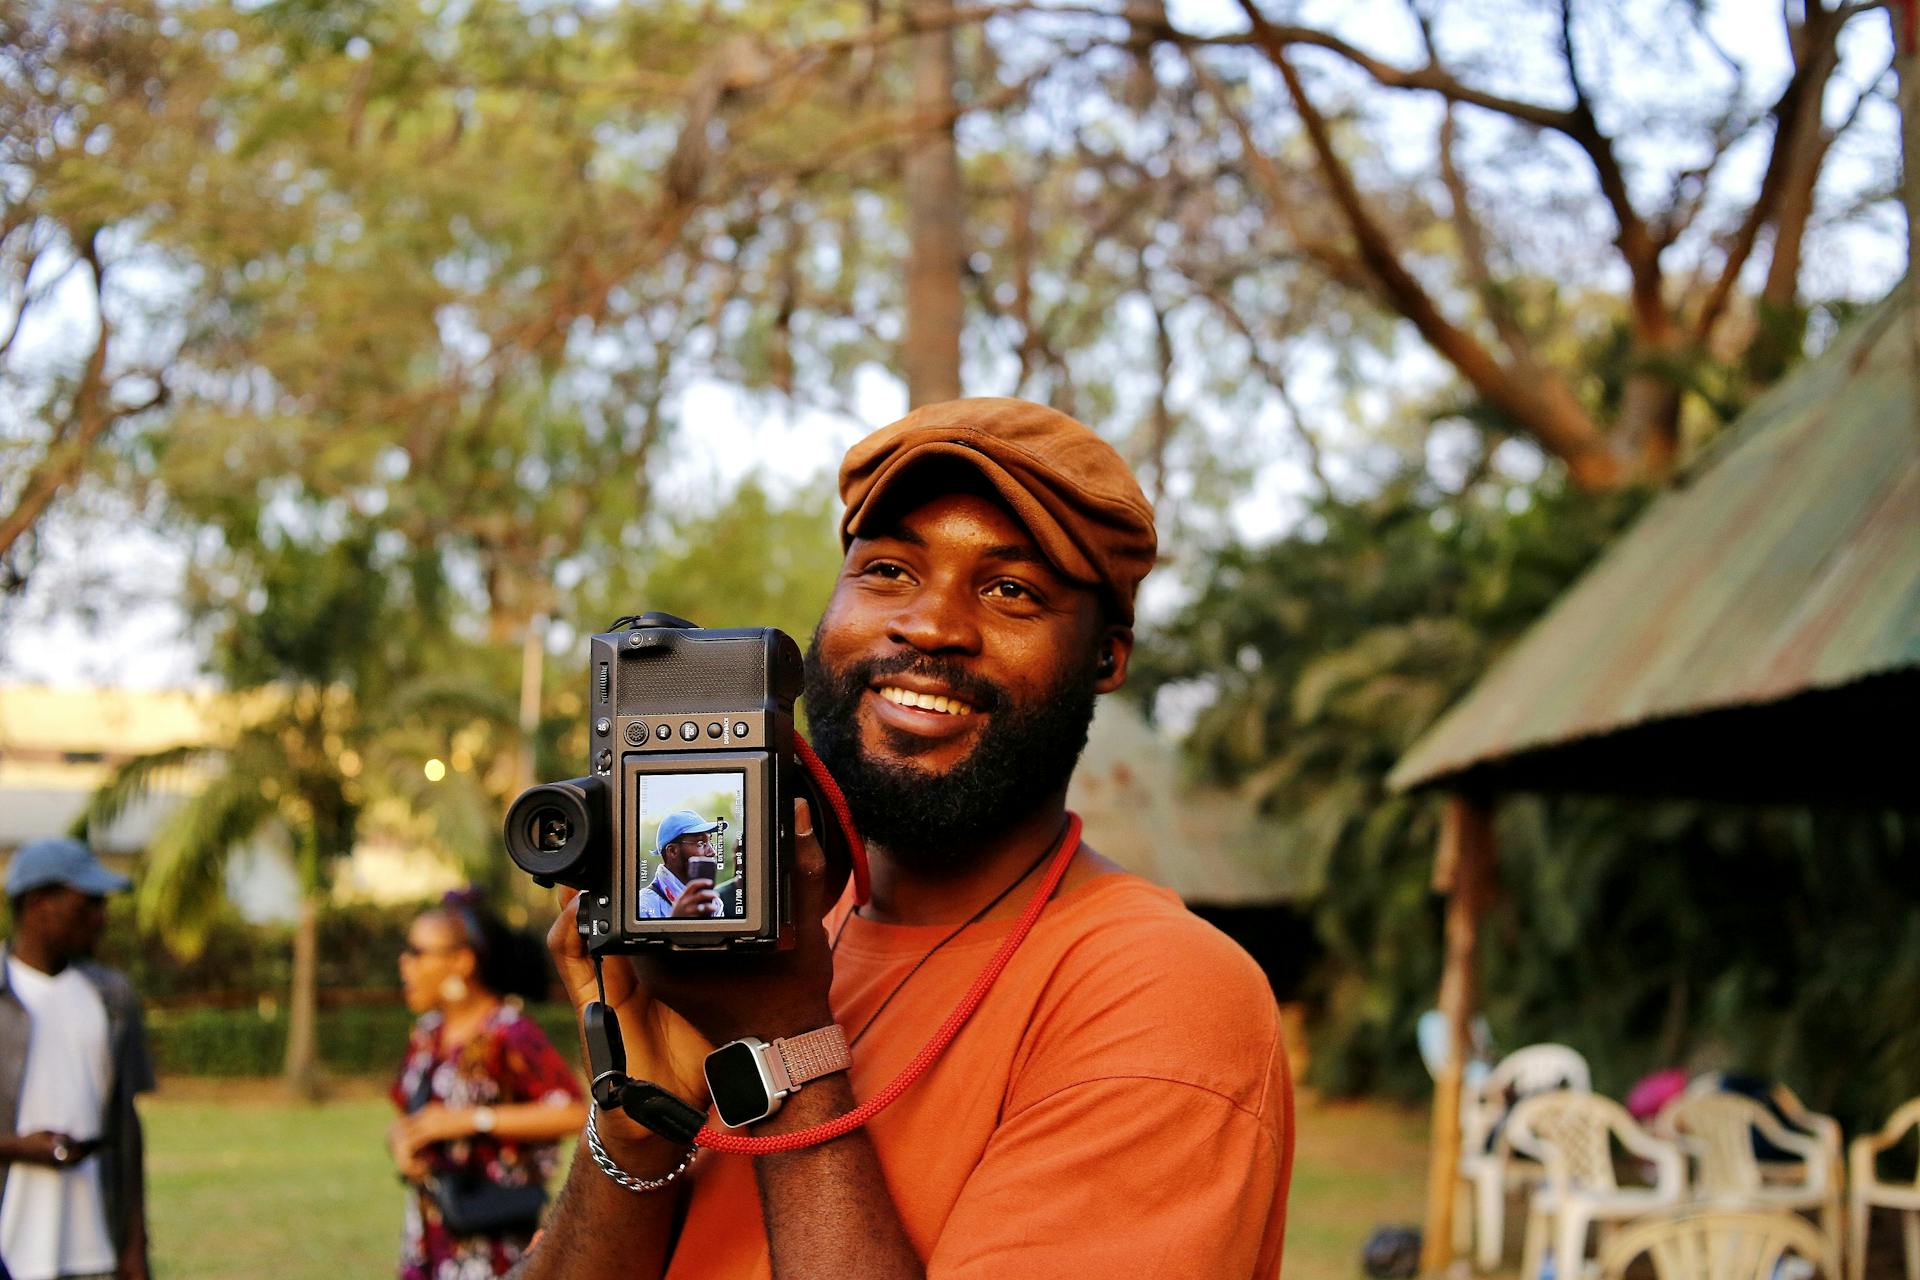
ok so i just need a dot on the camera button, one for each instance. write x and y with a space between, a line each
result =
741 729
689 731
636 734
663 732
715 729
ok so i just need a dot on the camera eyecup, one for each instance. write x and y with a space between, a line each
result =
552 828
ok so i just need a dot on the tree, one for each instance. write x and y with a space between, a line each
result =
326 683
1673 320
94 104
936 216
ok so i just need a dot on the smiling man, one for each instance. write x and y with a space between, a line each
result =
1119 1103
683 835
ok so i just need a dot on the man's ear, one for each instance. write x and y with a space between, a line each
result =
1110 666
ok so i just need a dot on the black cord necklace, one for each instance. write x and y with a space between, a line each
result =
966 924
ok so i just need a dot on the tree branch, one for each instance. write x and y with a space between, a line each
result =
1162 418
1796 109
1652 324
91 413
1539 404
1333 258
1473 248
1275 378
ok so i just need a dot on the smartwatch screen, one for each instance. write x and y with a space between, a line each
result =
740 1093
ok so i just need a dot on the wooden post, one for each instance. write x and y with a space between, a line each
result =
1463 869
533 660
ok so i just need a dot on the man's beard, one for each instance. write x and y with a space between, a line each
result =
931 823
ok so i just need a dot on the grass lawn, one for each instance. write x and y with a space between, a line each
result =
1356 1166
255 1188
243 1186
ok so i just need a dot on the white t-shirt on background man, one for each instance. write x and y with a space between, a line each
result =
53 1222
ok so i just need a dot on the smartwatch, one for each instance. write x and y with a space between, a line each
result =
750 1078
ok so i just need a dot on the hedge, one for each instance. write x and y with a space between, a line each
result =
354 1040
239 962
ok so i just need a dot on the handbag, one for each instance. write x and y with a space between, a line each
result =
470 1205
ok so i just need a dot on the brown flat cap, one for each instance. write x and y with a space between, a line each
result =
1069 487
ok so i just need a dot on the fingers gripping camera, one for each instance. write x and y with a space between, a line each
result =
681 834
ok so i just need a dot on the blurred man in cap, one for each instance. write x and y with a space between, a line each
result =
1118 1105
683 834
73 1053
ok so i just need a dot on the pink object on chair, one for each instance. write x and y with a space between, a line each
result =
1651 1095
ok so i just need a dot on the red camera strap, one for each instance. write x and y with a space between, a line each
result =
719 1140
817 769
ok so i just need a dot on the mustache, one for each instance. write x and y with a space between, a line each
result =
980 694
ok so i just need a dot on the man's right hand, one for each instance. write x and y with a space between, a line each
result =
661 1046
46 1147
696 900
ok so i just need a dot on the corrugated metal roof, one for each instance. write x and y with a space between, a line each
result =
1786 563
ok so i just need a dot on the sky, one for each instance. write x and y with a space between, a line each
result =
100 609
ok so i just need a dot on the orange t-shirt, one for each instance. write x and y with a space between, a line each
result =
1118 1106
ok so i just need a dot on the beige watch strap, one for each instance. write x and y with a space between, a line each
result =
815 1054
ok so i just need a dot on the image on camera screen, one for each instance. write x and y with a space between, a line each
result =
692 842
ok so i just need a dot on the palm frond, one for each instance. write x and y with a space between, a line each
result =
131 783
468 818
448 697
185 881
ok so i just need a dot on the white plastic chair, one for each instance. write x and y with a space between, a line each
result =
1572 1135
1717 1244
1826 1131
1865 1190
1717 1130
1490 1170
1824 1128
1786 1103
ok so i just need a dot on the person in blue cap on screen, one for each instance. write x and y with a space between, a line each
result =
683 834
73 1053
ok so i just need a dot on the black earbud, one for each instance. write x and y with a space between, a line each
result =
1109 662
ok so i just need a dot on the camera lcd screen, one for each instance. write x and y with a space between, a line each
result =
692 835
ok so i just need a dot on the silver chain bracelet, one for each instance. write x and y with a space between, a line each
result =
621 1176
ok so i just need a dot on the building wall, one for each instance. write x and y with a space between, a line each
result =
59 743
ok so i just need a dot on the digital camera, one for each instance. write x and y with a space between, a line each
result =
680 835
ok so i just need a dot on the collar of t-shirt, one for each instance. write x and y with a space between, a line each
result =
670 884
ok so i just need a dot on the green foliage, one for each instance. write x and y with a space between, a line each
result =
354 1039
1645 935
1327 655
1780 942
315 634
748 560
240 963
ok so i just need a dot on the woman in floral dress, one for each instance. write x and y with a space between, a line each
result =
483 1093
